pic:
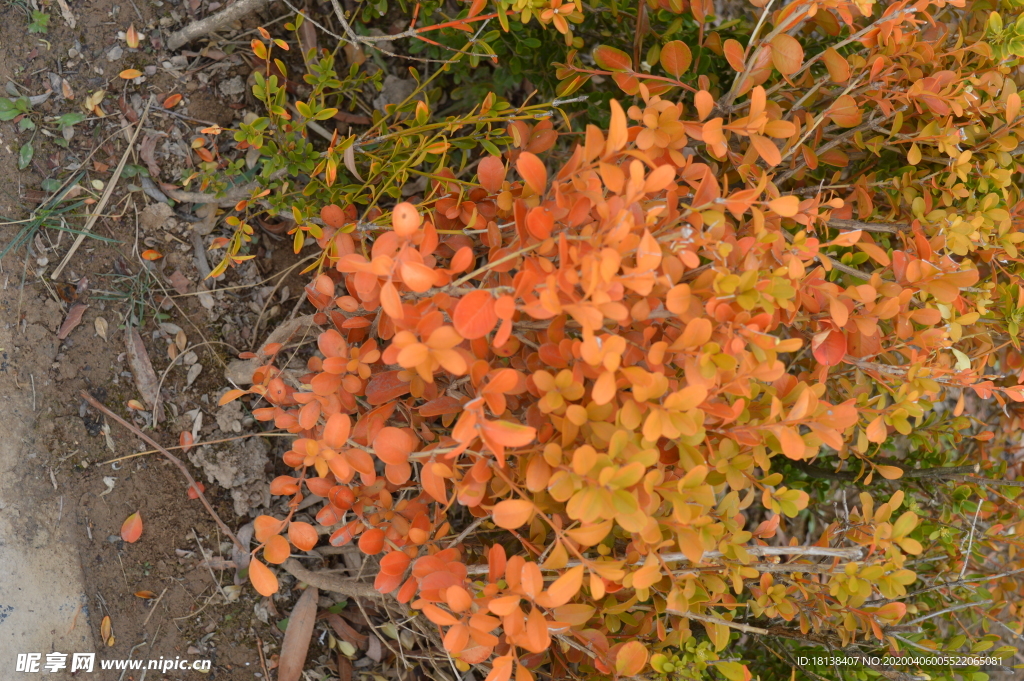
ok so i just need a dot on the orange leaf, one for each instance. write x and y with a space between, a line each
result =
829 347
394 445
131 37
876 430
172 101
611 59
1012 107
277 550
265 527
474 316
371 542
390 301
131 528
337 431
231 396
564 588
838 67
148 595
130 74
631 659
793 445
787 54
890 472
676 57
185 440
150 254
533 172
302 535
786 206
734 54
263 580
512 513
509 434
845 113
491 173
195 490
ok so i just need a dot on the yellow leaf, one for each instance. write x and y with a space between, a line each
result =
914 155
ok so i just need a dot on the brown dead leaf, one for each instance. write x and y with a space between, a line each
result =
142 370
349 157
374 650
344 668
307 35
354 119
130 113
73 319
180 282
345 631
297 636
147 151
66 90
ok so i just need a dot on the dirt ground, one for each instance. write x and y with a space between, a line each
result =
173 593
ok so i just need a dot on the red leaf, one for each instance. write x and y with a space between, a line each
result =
829 347
384 387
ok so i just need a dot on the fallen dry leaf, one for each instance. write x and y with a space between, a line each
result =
297 636
142 370
130 74
180 282
131 37
65 88
73 319
147 150
101 327
106 628
145 594
345 631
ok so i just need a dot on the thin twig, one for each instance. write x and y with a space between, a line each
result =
106 192
96 404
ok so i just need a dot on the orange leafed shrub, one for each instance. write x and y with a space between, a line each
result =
614 356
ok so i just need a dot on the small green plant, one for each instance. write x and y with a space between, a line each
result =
40 22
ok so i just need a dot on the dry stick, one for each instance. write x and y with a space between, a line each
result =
96 404
347 587
106 193
852 553
214 22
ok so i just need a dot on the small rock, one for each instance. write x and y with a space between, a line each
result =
395 91
230 88
155 216
114 53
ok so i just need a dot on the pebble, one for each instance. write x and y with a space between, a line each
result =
114 53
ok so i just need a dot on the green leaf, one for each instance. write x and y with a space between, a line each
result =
69 119
40 22
25 155
26 124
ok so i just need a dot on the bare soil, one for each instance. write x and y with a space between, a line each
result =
194 609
